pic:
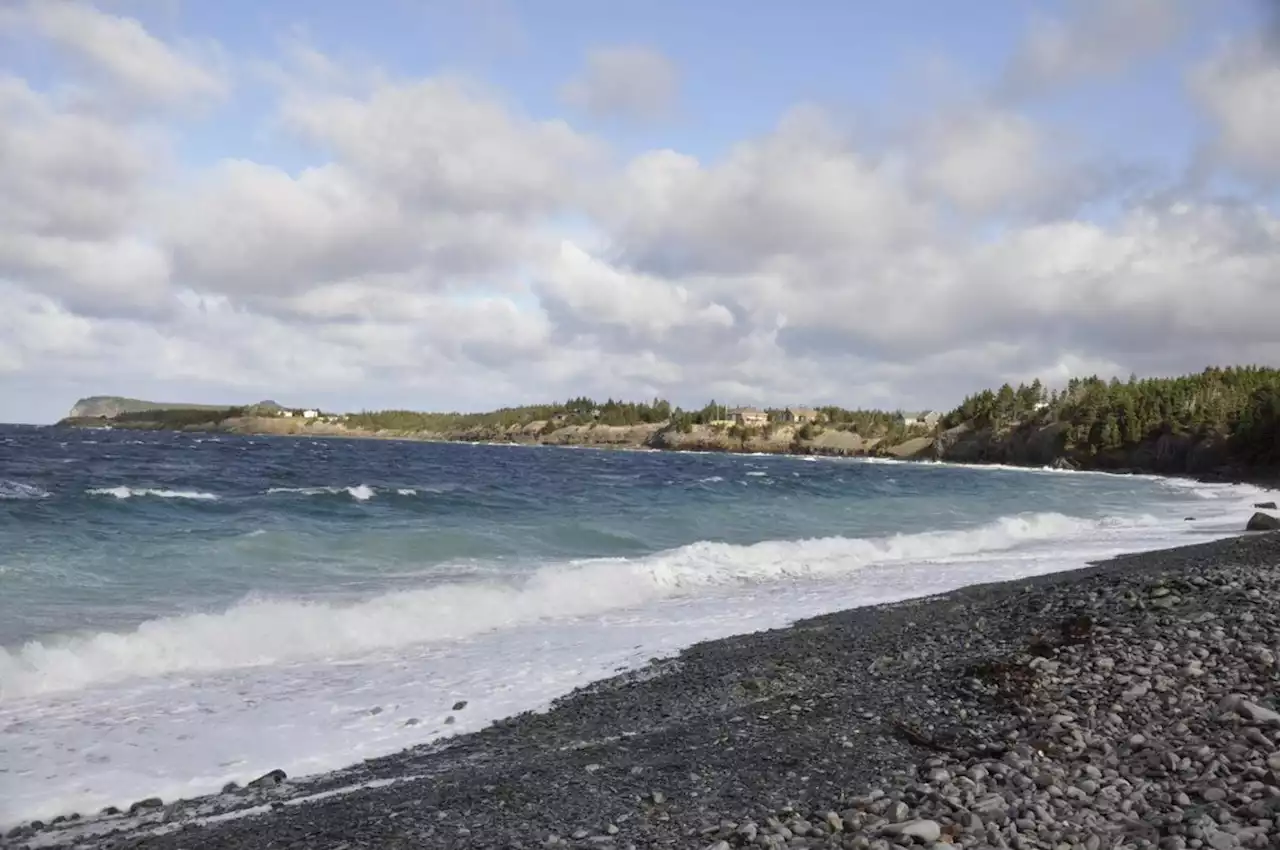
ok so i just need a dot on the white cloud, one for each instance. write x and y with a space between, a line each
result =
71 196
139 66
1239 89
595 293
986 160
628 82
446 143
801 191
1095 38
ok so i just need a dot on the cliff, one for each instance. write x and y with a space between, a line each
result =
113 407
1036 444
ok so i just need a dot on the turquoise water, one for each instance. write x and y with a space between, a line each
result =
180 610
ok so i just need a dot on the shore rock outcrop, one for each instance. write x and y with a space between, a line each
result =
1263 522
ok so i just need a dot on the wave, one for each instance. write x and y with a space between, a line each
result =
264 632
360 492
123 492
19 491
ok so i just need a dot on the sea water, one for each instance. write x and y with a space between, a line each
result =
182 610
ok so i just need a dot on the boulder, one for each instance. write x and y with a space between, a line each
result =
144 805
1262 522
1265 505
269 780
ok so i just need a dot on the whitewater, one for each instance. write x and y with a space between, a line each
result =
178 612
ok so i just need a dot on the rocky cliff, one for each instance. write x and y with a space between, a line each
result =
1045 445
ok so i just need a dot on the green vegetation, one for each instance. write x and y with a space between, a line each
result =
1241 405
577 411
177 417
586 411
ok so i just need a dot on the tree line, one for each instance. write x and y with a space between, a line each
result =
1239 404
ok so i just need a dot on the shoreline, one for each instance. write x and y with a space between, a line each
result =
808 716
1266 478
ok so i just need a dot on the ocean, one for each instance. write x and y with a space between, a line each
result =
178 611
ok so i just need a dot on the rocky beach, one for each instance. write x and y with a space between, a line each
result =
1129 704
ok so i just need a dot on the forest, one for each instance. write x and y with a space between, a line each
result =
587 411
1240 404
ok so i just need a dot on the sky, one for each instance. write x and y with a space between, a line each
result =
465 204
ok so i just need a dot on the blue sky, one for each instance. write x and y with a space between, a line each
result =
483 202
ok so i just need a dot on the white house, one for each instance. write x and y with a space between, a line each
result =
925 418
287 414
310 414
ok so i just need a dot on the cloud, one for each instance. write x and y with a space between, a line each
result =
1238 88
596 294
118 51
1096 38
626 82
985 160
71 195
445 142
803 190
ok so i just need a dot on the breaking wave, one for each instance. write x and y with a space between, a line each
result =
18 491
265 632
123 492
360 492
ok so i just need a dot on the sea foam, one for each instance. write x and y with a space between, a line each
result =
123 492
360 492
18 490
266 632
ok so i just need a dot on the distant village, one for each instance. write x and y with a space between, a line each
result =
755 416
746 417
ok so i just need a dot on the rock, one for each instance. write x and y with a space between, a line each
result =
925 830
1213 795
231 788
720 845
269 780
412 721
658 797
1219 840
1265 505
109 811
459 705
1251 710
143 805
1262 522
450 720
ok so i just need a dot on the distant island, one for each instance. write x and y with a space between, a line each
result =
1220 423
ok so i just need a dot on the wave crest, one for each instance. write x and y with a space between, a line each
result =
20 491
360 492
263 632
123 492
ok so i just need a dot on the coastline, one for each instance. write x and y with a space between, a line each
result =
912 451
815 716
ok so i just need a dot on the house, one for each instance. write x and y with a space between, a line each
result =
802 415
310 414
287 414
923 419
748 416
